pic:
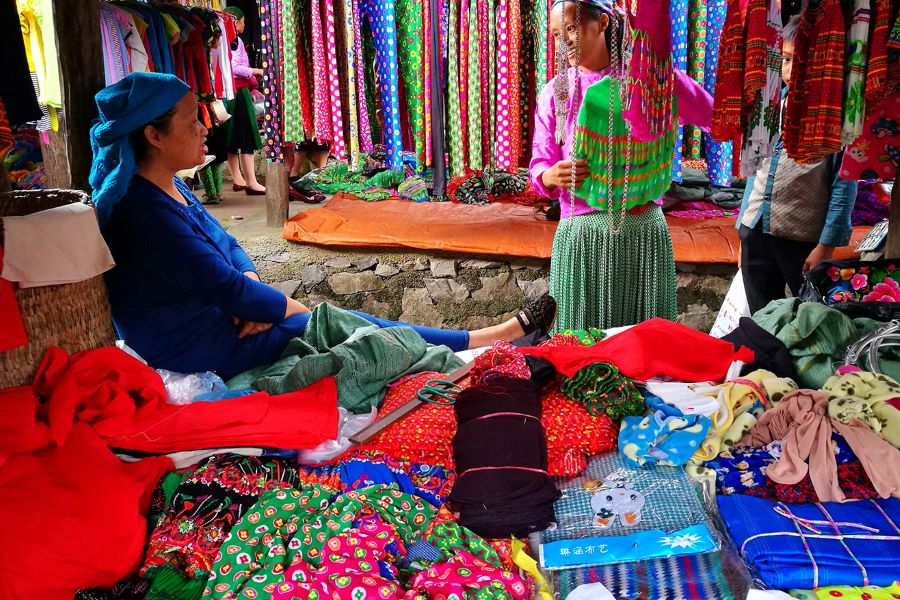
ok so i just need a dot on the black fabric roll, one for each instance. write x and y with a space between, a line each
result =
502 486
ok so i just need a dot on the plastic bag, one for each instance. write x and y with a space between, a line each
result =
349 424
733 308
616 514
182 388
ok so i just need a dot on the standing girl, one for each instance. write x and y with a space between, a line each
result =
610 267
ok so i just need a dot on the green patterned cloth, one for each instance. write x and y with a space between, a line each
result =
604 390
586 337
696 68
602 280
454 113
362 357
410 48
290 75
473 114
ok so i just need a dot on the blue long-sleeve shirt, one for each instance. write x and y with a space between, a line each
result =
178 281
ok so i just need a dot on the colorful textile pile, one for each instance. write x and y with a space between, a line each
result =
602 389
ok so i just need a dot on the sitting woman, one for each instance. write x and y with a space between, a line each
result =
184 294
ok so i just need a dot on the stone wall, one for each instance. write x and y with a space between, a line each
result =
445 290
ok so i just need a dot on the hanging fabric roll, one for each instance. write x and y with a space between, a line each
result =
383 24
696 67
857 55
290 76
427 75
718 154
502 143
305 69
437 106
474 86
514 18
464 46
877 80
321 107
270 22
352 113
543 43
410 49
678 14
365 128
338 147
485 52
455 134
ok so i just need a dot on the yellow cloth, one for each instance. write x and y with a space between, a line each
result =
864 395
172 28
37 19
736 398
849 593
524 561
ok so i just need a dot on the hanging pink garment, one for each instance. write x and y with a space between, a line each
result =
503 141
321 108
338 146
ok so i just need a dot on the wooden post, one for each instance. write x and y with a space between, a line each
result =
80 48
277 198
892 247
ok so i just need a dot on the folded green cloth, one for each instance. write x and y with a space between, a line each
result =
362 357
817 338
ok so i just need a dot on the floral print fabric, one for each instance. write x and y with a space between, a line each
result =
310 544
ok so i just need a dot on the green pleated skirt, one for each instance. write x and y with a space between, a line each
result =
603 280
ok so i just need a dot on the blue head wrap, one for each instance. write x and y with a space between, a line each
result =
125 107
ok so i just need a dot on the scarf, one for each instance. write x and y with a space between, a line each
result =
124 107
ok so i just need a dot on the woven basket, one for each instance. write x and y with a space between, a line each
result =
75 316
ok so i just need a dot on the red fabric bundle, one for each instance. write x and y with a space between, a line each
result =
651 349
124 402
74 517
426 434
12 334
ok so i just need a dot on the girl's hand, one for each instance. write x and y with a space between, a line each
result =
560 174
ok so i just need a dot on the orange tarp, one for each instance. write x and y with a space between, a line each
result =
496 229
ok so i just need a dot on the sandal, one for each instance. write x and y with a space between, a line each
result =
207 200
538 315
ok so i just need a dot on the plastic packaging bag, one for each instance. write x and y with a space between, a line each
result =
182 388
733 308
616 514
348 425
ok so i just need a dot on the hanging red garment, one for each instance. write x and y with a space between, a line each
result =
877 72
653 348
74 517
12 334
812 122
755 42
727 100
124 401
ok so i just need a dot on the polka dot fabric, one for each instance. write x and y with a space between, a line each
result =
338 146
270 23
503 143
321 107
678 13
380 14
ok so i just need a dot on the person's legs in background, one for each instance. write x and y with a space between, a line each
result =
234 165
253 186
770 263
211 187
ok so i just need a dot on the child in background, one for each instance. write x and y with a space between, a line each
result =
600 278
792 216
